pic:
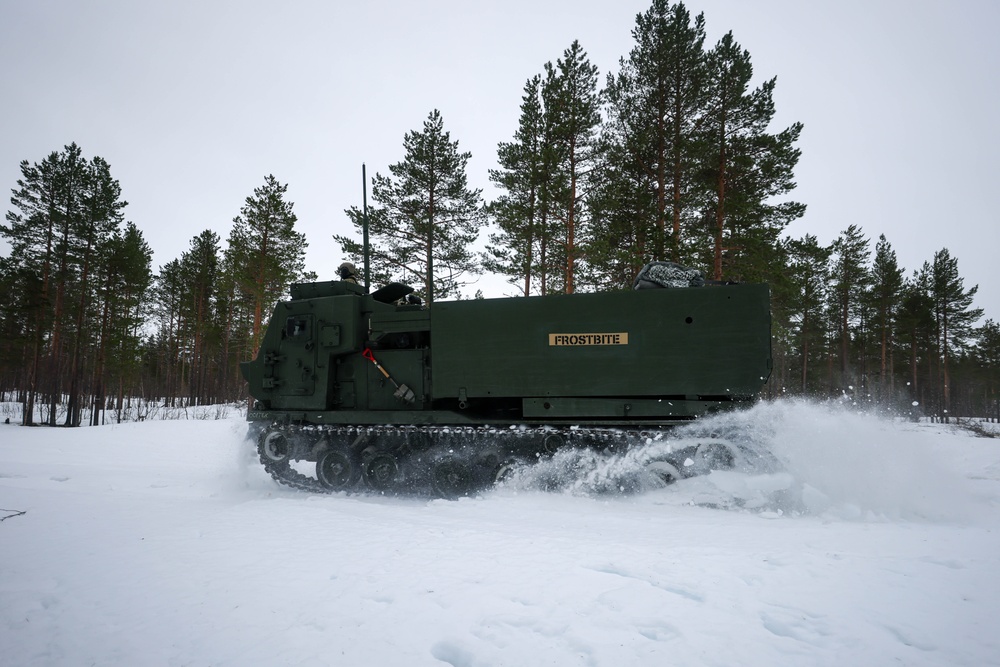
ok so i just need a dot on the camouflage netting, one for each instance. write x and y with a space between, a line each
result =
667 274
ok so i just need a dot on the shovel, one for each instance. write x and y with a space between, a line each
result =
402 392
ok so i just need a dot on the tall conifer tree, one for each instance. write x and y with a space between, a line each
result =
987 352
850 280
654 103
265 252
574 107
123 285
65 210
744 166
886 290
200 272
517 212
954 315
426 217
808 277
915 332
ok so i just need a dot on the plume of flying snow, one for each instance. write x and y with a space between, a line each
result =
793 457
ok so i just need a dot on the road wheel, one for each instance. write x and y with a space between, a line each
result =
381 471
452 479
337 469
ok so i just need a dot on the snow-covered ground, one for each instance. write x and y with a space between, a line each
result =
164 543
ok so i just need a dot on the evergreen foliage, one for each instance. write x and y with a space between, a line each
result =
511 250
264 253
653 107
884 295
987 359
744 167
681 166
64 230
426 216
573 104
954 316
849 281
548 172
808 287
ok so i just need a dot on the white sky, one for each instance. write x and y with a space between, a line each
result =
193 103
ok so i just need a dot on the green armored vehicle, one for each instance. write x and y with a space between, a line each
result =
373 387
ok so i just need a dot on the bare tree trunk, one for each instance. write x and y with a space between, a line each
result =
720 216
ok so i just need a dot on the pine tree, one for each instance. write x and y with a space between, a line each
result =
265 252
622 234
553 191
885 293
987 352
516 213
850 279
199 267
71 170
30 229
954 315
744 166
46 198
20 287
915 331
808 277
573 104
653 107
123 284
169 292
235 325
65 210
98 220
426 217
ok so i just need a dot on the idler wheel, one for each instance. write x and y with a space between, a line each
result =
337 469
274 448
452 479
381 471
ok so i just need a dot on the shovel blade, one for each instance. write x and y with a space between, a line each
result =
404 394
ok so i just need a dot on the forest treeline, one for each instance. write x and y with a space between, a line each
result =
87 327
671 158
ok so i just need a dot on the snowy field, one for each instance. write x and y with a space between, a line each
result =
164 543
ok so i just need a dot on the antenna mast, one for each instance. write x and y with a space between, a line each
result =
364 225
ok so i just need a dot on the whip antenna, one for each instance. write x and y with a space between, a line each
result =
364 225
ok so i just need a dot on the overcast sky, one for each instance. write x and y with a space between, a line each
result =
193 103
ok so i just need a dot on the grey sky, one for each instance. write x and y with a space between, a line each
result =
193 103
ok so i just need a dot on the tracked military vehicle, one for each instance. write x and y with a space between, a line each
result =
373 391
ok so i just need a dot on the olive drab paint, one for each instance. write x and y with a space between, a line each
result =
651 356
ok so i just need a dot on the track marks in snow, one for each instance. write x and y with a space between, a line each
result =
652 581
909 638
454 654
796 624
951 564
